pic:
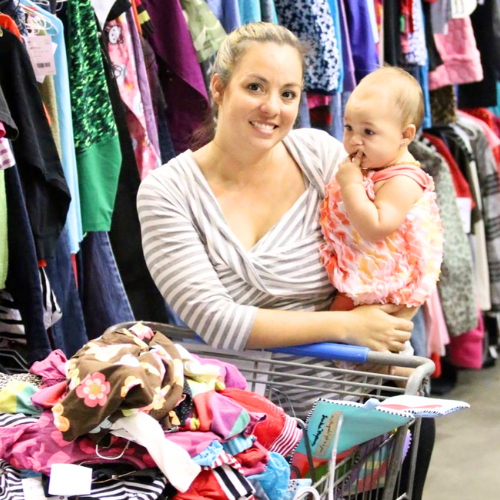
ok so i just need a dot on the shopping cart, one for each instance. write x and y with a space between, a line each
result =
290 376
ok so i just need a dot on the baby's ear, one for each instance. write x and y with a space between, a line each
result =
409 133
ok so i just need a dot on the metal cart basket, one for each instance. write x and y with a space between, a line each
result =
295 377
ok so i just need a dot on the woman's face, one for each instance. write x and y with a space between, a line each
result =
260 103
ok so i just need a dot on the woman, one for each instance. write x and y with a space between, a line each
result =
231 232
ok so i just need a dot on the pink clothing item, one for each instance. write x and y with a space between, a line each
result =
194 442
52 369
38 446
2 130
404 267
7 159
458 50
121 53
315 100
466 351
278 432
53 372
437 332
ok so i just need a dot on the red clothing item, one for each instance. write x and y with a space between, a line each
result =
278 432
486 116
7 22
462 188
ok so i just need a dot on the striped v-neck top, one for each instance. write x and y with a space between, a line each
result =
206 275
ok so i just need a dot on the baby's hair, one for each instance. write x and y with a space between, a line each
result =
405 90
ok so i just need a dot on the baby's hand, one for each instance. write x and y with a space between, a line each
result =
349 171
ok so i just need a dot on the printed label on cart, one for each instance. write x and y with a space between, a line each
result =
325 435
41 54
33 489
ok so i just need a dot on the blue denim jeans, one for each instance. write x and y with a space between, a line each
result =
103 297
303 118
23 279
419 335
69 333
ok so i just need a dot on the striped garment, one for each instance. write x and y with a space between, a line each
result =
11 487
202 269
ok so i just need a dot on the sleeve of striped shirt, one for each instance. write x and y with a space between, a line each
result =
178 262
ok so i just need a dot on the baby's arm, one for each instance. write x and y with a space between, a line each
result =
374 220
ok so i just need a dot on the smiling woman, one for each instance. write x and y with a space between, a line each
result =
231 231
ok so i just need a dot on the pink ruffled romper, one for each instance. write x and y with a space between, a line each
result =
404 267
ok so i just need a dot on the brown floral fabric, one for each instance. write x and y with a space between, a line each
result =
116 375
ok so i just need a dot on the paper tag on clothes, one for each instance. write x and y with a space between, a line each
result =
465 209
70 480
33 489
41 54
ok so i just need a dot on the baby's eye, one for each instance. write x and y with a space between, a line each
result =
254 87
369 131
348 128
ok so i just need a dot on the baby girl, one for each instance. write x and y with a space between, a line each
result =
383 235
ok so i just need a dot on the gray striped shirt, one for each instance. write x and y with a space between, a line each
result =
202 269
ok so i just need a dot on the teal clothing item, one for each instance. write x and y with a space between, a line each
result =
98 153
65 117
335 12
274 480
496 109
250 11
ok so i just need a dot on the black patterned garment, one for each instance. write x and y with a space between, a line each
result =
312 22
456 283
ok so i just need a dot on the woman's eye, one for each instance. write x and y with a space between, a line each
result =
369 132
348 128
254 87
289 95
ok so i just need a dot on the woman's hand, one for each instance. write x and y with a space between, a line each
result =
375 327
349 171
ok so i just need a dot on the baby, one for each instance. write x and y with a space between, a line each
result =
383 235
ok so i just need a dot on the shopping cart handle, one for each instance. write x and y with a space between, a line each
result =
328 351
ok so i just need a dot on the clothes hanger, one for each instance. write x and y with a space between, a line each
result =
37 22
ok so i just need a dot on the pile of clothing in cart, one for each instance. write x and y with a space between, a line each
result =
149 418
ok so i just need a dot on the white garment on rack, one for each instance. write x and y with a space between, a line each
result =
170 458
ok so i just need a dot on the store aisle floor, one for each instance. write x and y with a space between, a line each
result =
465 463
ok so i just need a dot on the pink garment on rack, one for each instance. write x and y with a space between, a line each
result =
121 53
458 50
315 100
2 130
466 351
437 332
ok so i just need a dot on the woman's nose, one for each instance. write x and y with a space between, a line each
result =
270 105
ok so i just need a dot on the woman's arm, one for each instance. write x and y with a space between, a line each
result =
375 220
369 326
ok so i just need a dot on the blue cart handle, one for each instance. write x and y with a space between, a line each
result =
327 351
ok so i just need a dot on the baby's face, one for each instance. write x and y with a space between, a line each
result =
372 125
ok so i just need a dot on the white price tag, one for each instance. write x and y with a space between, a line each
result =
33 489
41 55
69 480
465 209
